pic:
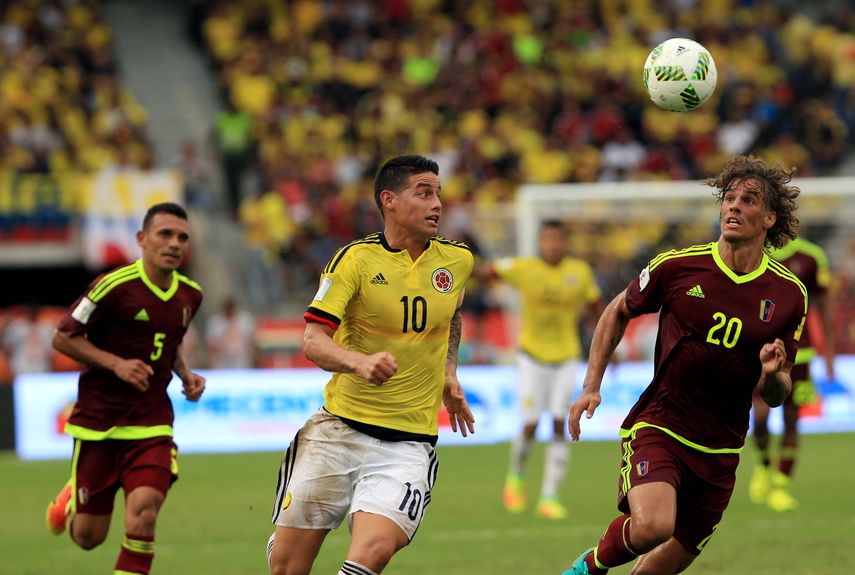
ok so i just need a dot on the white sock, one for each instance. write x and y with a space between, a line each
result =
557 456
354 568
520 450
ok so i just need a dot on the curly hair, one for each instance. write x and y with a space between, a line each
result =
778 196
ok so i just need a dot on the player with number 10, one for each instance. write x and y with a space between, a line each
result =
386 322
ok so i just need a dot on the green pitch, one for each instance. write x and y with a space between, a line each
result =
216 519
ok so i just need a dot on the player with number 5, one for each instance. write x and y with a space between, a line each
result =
127 330
730 318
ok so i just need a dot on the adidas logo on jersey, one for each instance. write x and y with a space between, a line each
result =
696 292
379 280
142 315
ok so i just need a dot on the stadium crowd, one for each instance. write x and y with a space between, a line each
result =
503 92
316 93
63 107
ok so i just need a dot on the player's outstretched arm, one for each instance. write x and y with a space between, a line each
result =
607 336
193 384
134 371
320 348
775 382
453 397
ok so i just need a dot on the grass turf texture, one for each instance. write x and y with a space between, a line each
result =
216 519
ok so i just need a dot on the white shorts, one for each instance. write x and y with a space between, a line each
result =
545 387
331 471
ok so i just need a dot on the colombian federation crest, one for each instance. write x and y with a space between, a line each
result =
442 280
767 308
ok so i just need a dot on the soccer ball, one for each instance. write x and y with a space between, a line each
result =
679 75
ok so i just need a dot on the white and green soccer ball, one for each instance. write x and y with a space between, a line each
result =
679 75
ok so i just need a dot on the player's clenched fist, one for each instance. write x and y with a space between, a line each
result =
136 372
772 356
378 367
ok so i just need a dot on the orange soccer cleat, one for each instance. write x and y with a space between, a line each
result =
513 494
57 512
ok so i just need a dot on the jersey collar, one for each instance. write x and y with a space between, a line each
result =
162 294
739 279
389 248
386 245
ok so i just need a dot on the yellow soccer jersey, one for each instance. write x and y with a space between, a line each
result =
552 299
378 299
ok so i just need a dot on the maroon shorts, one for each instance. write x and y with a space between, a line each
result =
100 468
704 481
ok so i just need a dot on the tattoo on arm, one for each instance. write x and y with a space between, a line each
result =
454 336
621 328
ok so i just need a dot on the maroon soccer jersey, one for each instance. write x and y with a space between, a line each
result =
810 264
124 313
712 325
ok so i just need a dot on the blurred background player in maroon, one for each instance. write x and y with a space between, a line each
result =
809 263
127 330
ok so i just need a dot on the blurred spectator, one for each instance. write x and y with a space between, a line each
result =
230 337
198 176
621 156
737 133
826 135
27 341
268 230
232 136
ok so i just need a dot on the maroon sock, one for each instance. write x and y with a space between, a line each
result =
136 554
614 548
787 460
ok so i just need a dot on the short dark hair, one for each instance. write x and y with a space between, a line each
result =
553 225
778 196
396 173
164 208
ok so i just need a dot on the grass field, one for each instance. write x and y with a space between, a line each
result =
216 520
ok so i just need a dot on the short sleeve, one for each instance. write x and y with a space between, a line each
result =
794 335
338 285
507 269
644 293
85 312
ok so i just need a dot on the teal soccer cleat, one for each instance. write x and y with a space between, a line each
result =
579 567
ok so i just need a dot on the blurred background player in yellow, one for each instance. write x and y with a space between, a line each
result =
555 290
768 485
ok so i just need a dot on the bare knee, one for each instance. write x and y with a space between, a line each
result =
147 518
377 552
87 539
648 533
287 560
